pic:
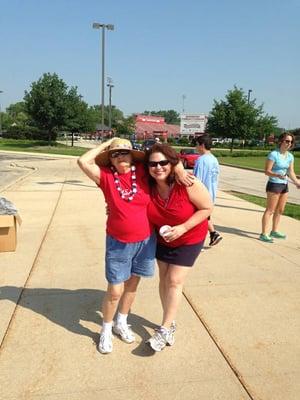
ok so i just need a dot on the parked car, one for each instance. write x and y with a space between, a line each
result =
188 157
68 136
136 145
148 143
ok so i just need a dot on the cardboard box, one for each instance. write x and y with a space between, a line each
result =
8 232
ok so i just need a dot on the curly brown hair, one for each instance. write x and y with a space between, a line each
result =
170 155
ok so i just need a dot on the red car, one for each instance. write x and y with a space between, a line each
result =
188 157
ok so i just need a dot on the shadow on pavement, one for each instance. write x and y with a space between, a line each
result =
68 308
71 182
236 231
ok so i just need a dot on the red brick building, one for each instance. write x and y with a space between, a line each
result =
151 126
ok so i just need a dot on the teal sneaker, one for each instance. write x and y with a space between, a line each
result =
278 235
265 238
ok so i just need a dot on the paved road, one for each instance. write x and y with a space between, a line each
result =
250 182
14 166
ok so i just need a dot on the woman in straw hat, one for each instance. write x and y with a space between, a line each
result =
130 242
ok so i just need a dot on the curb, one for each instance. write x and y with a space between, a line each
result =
32 170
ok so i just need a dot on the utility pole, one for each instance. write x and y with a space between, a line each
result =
110 86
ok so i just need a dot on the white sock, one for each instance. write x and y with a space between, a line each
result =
164 329
106 327
122 319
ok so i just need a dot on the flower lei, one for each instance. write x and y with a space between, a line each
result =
126 194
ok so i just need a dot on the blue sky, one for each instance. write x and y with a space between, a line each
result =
158 51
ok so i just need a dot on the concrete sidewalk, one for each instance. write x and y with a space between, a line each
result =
238 325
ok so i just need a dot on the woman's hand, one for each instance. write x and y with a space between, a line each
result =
186 178
175 232
182 177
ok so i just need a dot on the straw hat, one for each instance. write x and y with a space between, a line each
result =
118 144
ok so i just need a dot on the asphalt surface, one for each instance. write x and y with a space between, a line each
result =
250 182
14 166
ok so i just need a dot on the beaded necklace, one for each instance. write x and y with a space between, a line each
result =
126 194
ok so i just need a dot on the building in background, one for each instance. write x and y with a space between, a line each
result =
151 126
192 125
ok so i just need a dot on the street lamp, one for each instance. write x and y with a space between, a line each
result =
110 86
249 92
109 27
183 99
1 91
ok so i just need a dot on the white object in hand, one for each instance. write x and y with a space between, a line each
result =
164 230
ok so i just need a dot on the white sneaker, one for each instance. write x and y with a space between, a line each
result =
171 333
124 332
159 340
105 345
171 336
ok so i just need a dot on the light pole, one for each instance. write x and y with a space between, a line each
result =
183 98
249 92
110 86
1 91
109 27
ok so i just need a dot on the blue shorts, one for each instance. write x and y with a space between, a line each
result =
122 260
277 187
184 255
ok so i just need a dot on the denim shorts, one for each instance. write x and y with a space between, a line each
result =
122 260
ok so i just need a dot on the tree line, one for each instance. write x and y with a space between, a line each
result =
50 106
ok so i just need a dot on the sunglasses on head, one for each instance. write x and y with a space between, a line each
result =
116 154
288 141
154 164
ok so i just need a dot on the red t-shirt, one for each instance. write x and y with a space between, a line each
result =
127 221
175 211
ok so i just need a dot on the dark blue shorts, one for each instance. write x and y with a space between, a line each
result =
184 256
277 187
122 260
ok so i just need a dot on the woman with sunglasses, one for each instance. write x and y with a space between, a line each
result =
279 166
119 172
179 215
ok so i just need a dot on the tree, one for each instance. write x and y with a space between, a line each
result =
77 117
47 103
116 115
16 115
170 116
237 118
125 126
265 125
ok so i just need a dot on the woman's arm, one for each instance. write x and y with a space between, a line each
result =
293 176
87 162
200 197
183 177
268 170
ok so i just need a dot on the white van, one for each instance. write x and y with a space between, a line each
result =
76 136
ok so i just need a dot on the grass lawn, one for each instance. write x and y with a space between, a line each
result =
36 146
253 162
291 210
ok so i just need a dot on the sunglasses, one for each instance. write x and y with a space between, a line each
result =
154 164
288 141
116 154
